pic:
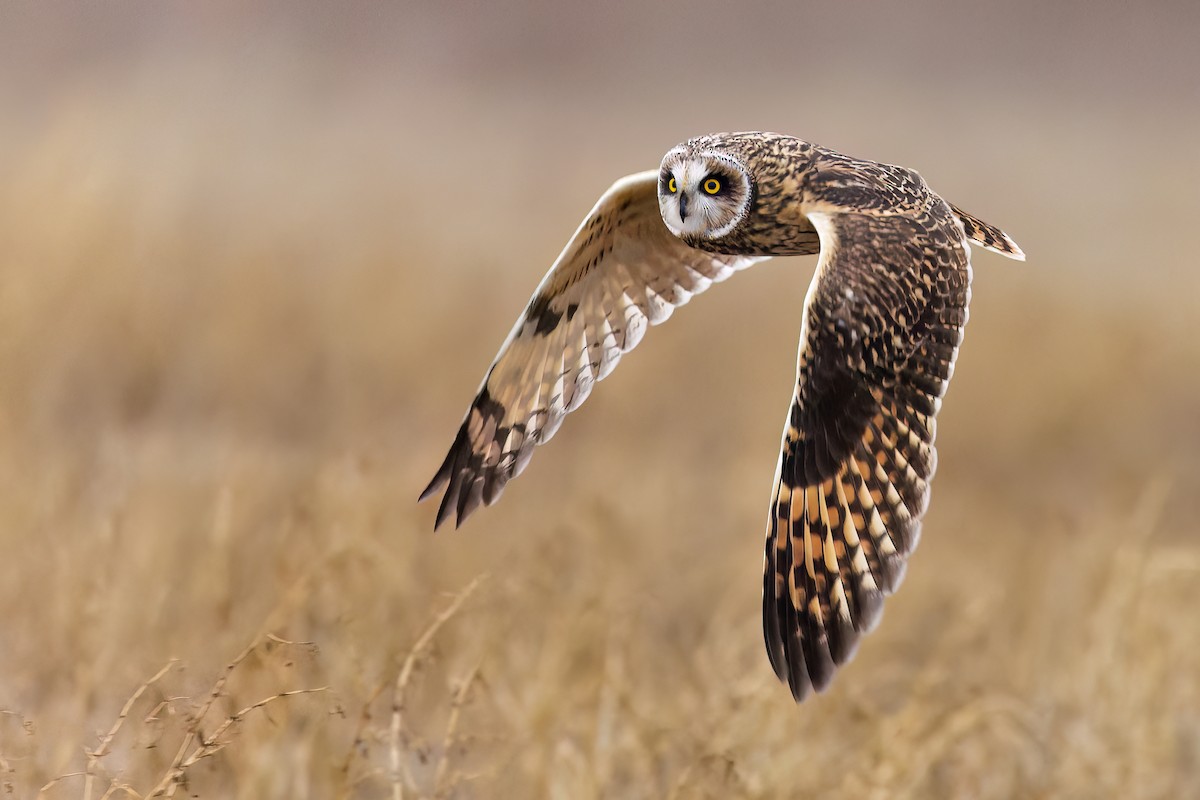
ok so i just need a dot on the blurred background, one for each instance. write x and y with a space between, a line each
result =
255 258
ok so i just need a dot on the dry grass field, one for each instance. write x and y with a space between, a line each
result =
249 282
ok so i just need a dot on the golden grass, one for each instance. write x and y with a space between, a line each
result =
225 374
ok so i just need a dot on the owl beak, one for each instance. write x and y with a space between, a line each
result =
682 207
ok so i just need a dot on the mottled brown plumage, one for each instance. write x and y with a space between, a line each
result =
881 327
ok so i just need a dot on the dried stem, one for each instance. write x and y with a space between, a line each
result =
440 785
51 784
120 787
100 752
214 745
195 745
398 765
364 719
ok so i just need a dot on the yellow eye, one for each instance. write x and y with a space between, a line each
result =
671 187
712 186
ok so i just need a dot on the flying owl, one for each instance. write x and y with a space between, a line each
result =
881 326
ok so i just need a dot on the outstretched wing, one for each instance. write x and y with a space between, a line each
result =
883 320
621 272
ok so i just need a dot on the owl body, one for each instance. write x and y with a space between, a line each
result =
882 322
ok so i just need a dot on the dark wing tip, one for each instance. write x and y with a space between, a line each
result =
443 477
798 678
771 626
843 639
470 480
459 475
818 655
440 479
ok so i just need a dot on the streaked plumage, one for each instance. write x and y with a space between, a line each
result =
881 327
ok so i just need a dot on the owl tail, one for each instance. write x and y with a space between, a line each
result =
988 236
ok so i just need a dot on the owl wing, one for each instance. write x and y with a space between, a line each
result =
883 320
621 272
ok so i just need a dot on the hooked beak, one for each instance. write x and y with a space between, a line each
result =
682 207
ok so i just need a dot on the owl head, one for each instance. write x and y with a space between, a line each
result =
739 194
704 193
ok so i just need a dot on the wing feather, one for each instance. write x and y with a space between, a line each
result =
622 272
882 324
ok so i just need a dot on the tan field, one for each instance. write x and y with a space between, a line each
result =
254 264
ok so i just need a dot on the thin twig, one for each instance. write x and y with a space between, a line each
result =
440 787
100 752
364 718
398 765
195 746
115 787
58 780
214 745
280 640
193 730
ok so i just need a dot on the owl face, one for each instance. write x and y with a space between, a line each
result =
703 195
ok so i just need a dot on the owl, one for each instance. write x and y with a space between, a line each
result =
880 329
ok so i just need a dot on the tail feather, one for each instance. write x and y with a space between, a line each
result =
988 236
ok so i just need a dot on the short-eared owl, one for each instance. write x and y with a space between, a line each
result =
880 330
